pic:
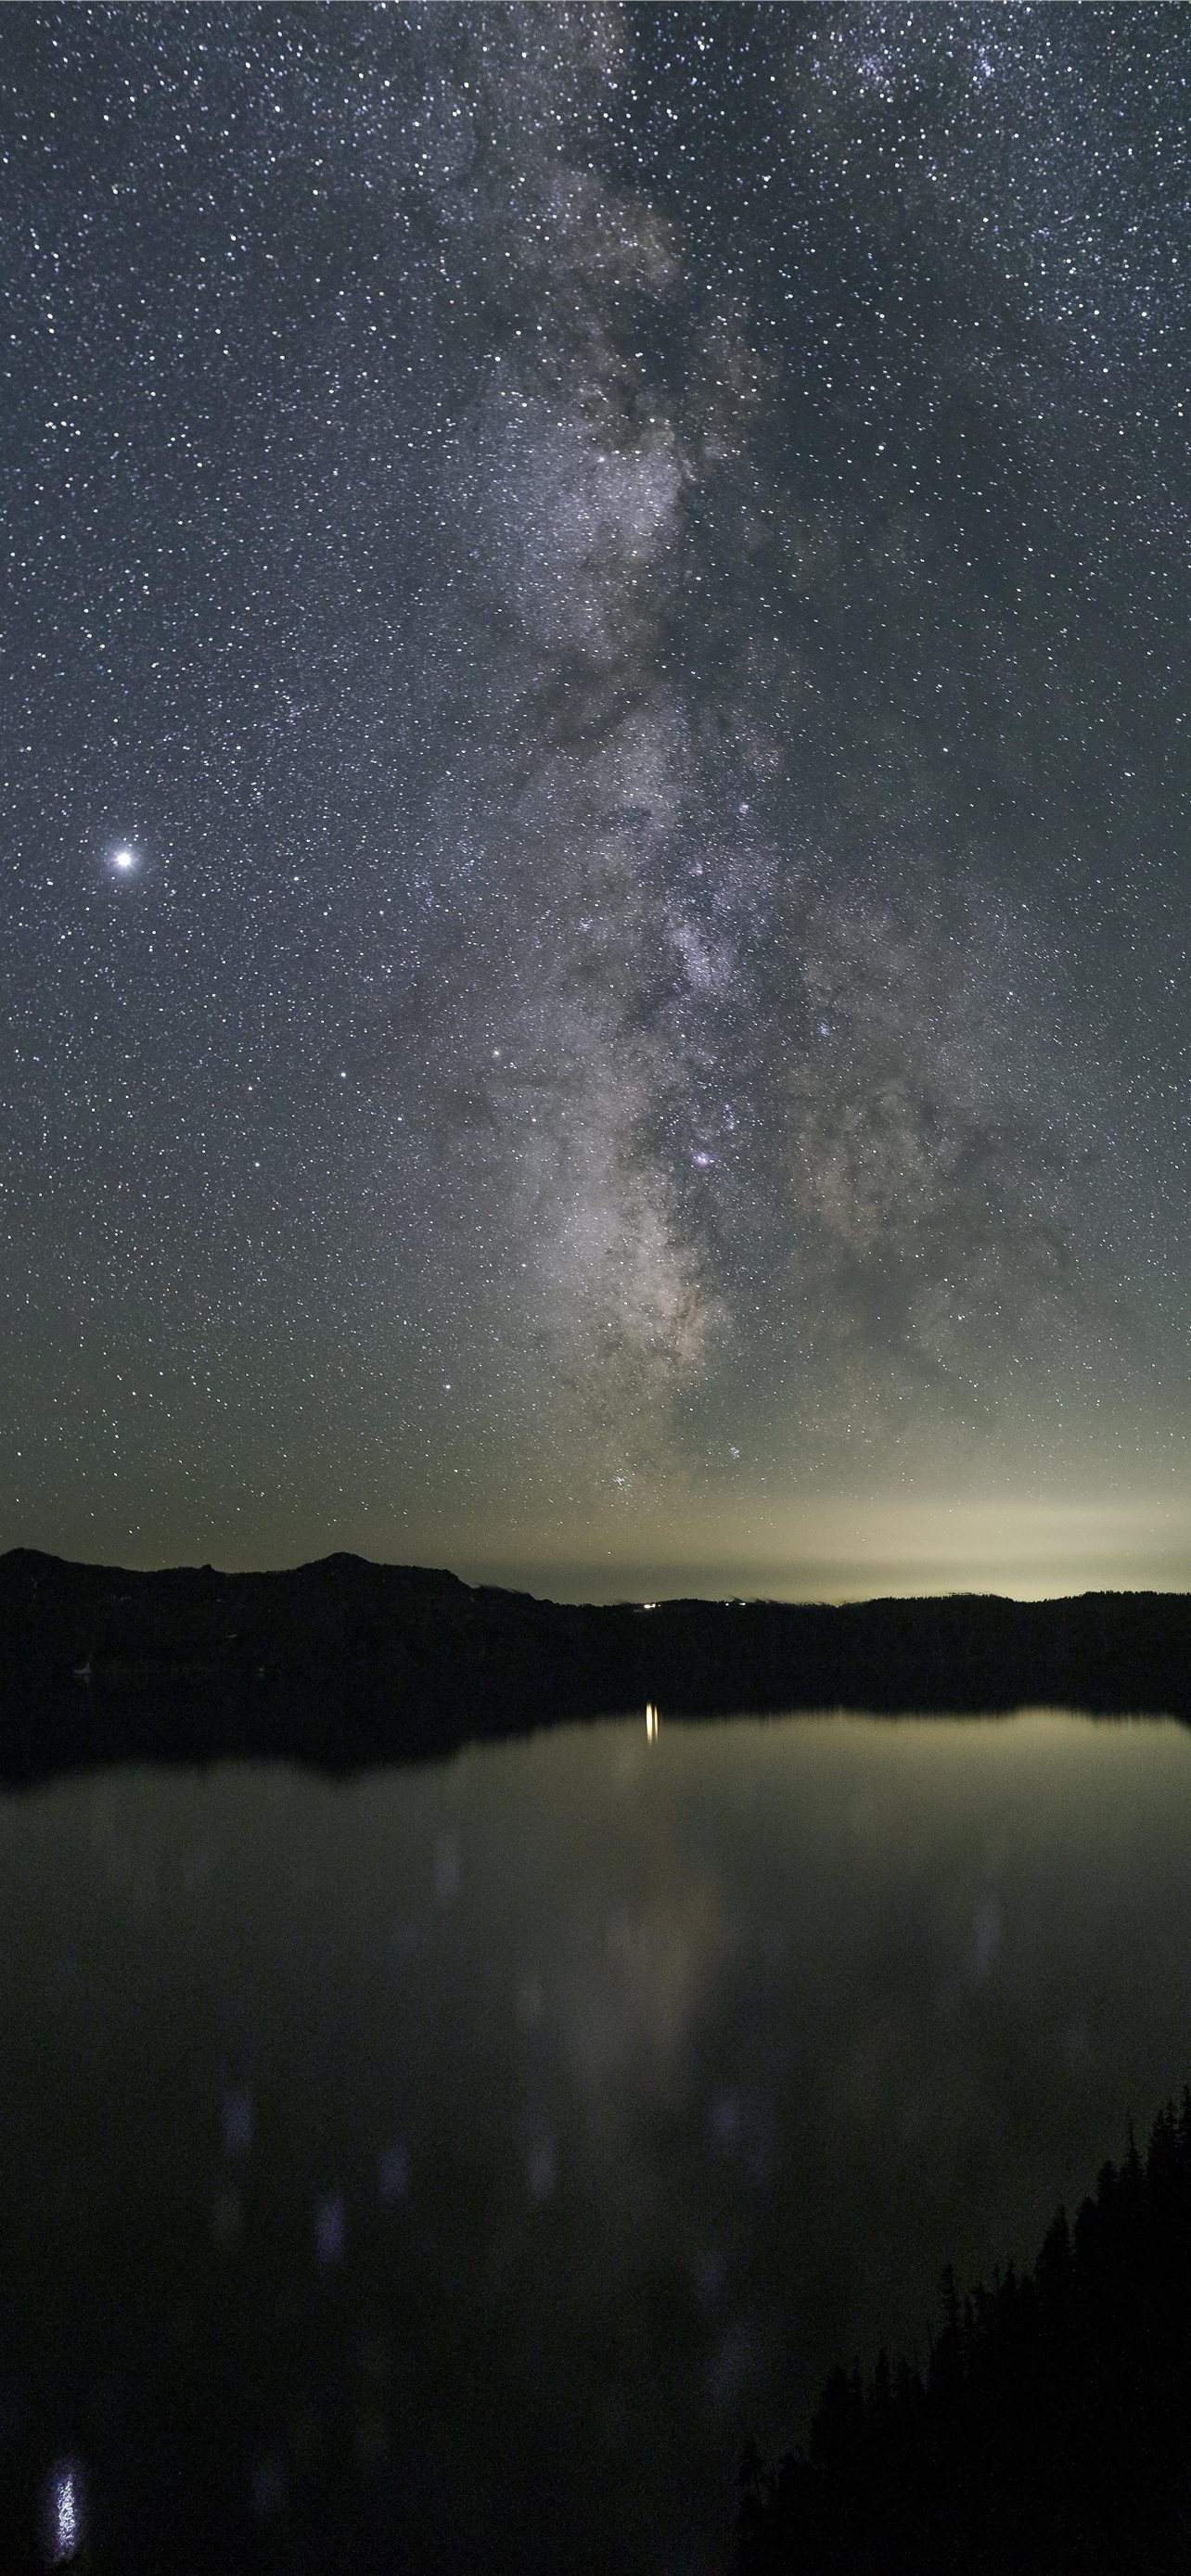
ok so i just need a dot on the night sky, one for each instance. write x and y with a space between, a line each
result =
595 754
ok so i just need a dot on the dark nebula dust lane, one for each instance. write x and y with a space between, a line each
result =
595 759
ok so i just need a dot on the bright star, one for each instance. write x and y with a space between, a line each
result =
124 859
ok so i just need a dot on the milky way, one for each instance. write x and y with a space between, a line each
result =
596 777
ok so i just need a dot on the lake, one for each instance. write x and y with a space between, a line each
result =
448 2168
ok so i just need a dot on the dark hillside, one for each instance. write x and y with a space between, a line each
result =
343 1662
1049 2434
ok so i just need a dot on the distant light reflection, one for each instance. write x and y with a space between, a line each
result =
651 1721
64 2513
330 2229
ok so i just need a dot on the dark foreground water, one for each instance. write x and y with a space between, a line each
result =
446 2170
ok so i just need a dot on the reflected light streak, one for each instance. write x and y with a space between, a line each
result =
64 2514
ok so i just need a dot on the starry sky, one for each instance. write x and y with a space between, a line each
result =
595 773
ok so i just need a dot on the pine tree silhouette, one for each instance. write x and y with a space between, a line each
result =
1050 2433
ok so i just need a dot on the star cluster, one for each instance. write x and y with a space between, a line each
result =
596 782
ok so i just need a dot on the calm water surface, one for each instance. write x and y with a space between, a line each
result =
446 2170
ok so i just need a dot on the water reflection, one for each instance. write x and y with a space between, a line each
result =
64 2533
450 2166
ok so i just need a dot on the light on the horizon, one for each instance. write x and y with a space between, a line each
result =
651 1722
